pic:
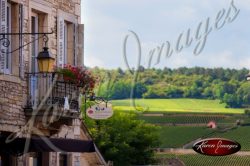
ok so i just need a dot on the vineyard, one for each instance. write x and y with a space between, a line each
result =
181 119
239 134
201 160
177 136
179 128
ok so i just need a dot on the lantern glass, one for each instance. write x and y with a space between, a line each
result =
45 61
45 65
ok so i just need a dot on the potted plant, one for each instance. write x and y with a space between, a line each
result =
80 76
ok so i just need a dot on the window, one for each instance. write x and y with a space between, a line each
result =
34 45
11 21
38 22
35 159
66 42
32 161
33 62
8 30
65 57
63 160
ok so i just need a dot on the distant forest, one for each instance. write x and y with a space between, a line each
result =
227 85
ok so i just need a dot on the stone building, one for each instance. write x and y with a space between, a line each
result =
32 108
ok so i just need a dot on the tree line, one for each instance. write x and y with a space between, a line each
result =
227 85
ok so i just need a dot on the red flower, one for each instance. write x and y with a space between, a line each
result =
78 75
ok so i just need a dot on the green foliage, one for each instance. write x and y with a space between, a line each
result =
227 85
153 92
139 90
244 93
231 100
247 112
173 92
120 90
124 140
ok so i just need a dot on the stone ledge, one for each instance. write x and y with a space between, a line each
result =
9 128
10 78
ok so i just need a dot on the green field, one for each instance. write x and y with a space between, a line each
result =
176 105
201 160
233 119
177 136
240 134
167 113
183 119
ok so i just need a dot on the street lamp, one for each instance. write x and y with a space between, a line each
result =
45 61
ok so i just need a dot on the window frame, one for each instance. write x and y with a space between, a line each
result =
70 48
35 44
65 40
63 159
8 56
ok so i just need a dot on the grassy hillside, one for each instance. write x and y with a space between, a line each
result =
181 119
240 134
201 160
167 113
176 105
177 136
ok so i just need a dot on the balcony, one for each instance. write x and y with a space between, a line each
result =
49 93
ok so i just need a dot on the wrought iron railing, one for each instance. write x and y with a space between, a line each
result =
50 89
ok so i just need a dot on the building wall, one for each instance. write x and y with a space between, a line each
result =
50 13
13 85
52 16
13 93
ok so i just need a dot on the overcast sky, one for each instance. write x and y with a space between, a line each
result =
157 21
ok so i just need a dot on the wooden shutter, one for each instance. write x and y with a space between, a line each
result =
21 61
60 36
75 44
3 24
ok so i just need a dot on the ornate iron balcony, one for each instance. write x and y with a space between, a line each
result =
49 89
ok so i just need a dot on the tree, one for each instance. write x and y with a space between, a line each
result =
244 93
120 71
193 92
139 89
208 93
219 90
125 140
196 82
120 90
232 100
153 93
174 92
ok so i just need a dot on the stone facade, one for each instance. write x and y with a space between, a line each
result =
13 93
66 46
13 86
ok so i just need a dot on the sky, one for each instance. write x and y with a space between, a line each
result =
152 24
